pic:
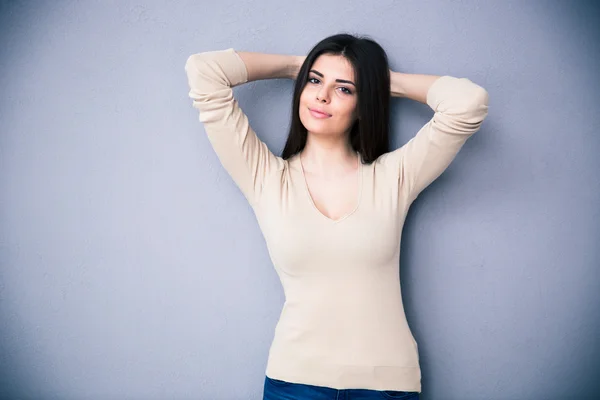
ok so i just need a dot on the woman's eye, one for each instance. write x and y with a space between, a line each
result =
345 90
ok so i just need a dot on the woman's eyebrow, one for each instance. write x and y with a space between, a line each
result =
337 80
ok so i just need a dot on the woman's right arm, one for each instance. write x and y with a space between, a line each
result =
270 66
211 77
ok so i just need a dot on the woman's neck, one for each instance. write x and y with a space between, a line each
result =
328 156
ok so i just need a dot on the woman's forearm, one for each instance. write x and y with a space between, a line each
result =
412 86
274 66
270 66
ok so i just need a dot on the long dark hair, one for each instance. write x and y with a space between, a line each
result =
370 134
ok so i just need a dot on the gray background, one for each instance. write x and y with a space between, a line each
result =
132 267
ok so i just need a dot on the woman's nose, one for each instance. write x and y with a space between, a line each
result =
322 96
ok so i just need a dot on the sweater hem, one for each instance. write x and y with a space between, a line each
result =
316 373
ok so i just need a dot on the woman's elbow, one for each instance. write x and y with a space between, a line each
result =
475 109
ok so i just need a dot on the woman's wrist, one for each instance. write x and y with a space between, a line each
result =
396 84
294 66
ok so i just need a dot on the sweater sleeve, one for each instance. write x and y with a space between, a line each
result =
211 77
459 106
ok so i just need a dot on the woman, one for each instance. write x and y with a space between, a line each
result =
332 206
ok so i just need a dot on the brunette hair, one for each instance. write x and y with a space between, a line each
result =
370 134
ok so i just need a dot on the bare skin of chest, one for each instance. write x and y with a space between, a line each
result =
334 198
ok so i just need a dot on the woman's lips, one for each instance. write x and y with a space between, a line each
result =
319 115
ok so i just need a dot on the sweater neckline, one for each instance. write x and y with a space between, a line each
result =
312 202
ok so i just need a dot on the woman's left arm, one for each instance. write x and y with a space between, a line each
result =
459 107
412 86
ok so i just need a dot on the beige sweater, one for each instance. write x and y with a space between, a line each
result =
343 323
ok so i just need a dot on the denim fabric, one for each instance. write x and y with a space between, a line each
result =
275 389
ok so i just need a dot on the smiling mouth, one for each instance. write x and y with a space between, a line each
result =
318 113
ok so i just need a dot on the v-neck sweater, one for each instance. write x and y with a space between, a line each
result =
343 323
355 198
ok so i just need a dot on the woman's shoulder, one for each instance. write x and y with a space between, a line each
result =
388 159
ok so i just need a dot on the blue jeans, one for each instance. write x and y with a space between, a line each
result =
276 389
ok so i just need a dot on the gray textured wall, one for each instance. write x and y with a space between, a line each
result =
132 267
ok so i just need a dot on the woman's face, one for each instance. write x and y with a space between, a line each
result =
330 88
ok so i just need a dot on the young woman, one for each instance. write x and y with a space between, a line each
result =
332 206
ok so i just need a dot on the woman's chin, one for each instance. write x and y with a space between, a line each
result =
315 125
